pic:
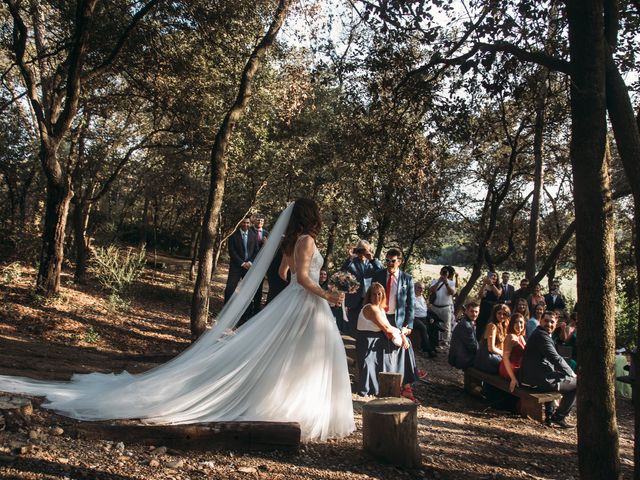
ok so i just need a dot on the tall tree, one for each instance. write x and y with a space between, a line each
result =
200 301
54 91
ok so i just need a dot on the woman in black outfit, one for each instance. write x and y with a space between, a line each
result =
489 295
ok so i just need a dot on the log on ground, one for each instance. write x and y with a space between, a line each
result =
241 436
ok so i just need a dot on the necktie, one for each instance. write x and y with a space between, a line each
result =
259 235
389 283
244 243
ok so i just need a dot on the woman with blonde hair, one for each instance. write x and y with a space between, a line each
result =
380 346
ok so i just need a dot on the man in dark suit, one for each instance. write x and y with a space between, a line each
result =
543 368
464 345
507 290
362 266
522 292
554 299
261 237
243 248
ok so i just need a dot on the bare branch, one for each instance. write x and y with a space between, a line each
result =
106 64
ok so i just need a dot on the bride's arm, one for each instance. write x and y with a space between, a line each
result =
303 252
284 268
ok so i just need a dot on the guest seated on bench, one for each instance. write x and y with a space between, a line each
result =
491 346
543 368
464 345
534 321
514 346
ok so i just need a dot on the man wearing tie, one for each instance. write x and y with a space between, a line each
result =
507 291
400 311
261 237
243 248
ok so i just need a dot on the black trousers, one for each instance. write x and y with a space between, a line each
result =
235 275
567 387
421 325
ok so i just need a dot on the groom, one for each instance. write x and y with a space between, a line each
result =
243 248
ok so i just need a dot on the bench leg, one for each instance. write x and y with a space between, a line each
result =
530 407
471 384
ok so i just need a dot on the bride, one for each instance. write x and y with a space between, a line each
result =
286 364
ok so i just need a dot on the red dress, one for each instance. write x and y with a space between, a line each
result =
517 351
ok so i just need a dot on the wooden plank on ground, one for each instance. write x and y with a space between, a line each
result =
242 436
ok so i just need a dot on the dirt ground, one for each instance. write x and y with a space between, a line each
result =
460 436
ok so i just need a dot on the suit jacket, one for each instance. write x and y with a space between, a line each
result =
519 293
541 364
558 303
236 249
405 297
507 294
361 271
265 235
464 345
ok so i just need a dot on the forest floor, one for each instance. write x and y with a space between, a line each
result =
460 436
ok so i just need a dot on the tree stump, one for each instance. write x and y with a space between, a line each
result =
390 431
390 384
15 413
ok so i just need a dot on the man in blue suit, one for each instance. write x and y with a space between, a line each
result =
400 295
399 289
361 265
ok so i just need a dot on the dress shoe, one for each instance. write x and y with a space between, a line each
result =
561 422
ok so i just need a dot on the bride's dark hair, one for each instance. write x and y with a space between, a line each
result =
305 220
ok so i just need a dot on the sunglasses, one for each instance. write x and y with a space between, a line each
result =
391 260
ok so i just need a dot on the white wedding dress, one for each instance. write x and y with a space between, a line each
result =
286 364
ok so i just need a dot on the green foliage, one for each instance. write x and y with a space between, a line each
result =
116 303
10 273
116 269
91 336
626 321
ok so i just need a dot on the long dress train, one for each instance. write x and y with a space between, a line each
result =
287 363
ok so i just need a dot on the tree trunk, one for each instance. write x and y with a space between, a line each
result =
193 252
538 175
144 224
79 217
626 129
597 427
200 300
331 239
383 227
52 253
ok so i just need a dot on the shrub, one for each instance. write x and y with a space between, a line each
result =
116 269
10 273
626 321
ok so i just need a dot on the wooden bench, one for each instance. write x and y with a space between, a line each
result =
531 401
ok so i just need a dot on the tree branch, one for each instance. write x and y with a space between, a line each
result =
106 64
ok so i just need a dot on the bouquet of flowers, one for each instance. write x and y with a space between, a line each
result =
344 282
396 337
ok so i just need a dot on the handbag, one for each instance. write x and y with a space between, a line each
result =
432 295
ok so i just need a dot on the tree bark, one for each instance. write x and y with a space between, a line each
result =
80 218
55 221
538 174
200 300
627 135
597 427
331 239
